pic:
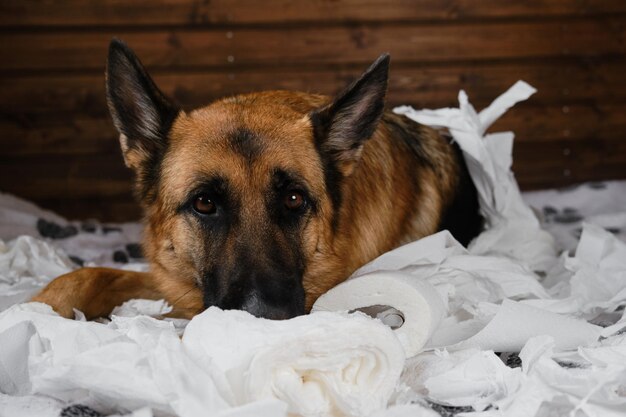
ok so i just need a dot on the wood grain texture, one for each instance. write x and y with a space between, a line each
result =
28 13
73 176
186 49
567 162
86 177
58 146
425 86
84 135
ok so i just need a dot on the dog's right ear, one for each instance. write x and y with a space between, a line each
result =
141 113
342 127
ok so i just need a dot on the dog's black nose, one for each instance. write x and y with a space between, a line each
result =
274 299
256 306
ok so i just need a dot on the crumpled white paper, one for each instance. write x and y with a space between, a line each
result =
594 384
512 228
129 363
478 292
596 281
590 381
497 304
512 325
322 364
468 377
27 264
152 308
229 363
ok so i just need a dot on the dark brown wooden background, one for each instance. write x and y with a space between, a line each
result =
58 146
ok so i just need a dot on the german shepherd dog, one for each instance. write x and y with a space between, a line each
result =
264 201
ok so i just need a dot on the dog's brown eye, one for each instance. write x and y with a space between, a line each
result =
204 205
294 200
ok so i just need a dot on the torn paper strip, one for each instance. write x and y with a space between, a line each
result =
553 386
474 378
27 264
513 325
470 288
512 228
596 281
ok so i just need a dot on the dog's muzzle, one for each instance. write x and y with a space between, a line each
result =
256 306
262 296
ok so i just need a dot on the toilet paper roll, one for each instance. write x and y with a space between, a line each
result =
417 302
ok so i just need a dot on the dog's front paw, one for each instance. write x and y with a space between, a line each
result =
95 291
66 292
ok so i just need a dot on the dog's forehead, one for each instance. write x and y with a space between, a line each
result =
244 142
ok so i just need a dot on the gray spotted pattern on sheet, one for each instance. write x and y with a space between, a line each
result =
566 215
449 410
87 243
52 230
78 410
562 211
511 359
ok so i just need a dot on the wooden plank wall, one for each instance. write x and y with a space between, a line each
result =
59 149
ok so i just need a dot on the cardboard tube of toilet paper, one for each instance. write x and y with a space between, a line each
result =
418 302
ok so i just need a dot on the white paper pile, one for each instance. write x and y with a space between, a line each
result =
477 292
469 377
228 363
27 265
321 364
512 228
593 281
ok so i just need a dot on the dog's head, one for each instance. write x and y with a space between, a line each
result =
241 196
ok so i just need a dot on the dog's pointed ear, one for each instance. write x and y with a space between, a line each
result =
342 127
141 113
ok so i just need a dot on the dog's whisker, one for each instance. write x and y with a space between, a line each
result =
173 304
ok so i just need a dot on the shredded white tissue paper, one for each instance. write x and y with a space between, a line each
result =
321 364
226 359
131 362
598 283
513 230
592 385
477 290
27 264
509 292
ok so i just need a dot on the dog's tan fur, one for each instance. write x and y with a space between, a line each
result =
388 198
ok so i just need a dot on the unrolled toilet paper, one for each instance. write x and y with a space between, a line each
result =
512 326
513 230
418 302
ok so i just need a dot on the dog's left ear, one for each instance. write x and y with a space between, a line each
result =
141 113
342 127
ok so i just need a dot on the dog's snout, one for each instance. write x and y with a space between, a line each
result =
271 297
257 306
